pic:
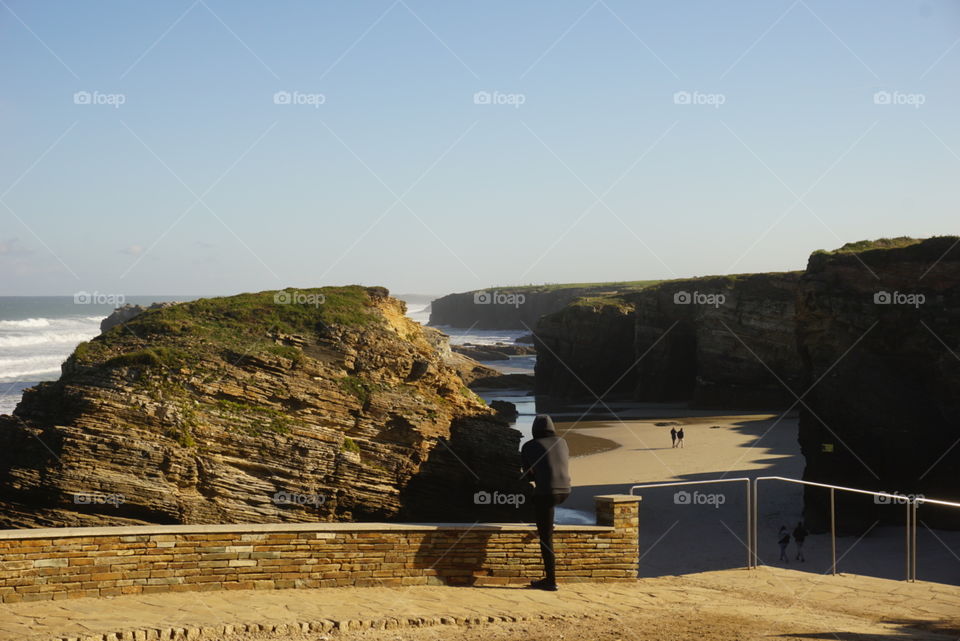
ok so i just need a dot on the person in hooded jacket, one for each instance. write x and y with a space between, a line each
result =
545 461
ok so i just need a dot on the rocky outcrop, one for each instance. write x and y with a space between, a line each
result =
515 307
128 312
879 335
724 342
495 352
324 404
586 350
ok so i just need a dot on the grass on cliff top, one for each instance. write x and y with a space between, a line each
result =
630 285
879 243
167 337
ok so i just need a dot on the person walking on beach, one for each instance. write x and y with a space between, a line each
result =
784 541
680 437
545 461
800 535
673 436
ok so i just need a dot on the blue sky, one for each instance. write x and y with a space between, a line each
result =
625 140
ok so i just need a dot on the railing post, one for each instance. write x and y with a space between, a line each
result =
906 531
833 533
749 527
914 537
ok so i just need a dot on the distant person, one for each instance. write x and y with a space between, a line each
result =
783 541
673 436
680 437
800 535
545 461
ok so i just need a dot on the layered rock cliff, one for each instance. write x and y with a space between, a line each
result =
725 342
516 307
878 331
324 404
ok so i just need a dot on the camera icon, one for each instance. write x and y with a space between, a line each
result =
282 98
82 98
882 500
682 498
282 298
482 498
882 298
682 298
681 98
482 298
482 98
81 298
882 98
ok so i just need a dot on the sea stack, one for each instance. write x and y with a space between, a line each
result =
296 405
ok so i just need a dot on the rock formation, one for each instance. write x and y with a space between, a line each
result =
724 341
882 366
320 404
515 307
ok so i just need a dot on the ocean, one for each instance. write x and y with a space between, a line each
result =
37 333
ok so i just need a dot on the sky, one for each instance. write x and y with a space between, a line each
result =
207 147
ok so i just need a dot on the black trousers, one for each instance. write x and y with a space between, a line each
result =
543 512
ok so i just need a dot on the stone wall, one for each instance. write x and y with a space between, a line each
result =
61 563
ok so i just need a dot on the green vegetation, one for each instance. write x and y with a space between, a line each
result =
349 445
218 327
356 386
596 302
880 243
630 285
255 419
150 357
363 389
289 352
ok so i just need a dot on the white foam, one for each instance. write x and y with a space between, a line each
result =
27 323
44 338
19 368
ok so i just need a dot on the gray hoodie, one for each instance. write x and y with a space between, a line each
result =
546 458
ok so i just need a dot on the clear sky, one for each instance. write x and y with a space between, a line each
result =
146 149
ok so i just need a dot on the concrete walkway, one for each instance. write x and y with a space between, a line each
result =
792 599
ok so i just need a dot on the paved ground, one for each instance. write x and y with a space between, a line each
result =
734 604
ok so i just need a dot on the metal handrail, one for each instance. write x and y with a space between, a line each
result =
917 501
911 503
753 514
750 529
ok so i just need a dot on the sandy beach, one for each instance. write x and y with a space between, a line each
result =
706 528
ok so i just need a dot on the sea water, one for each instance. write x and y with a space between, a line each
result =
37 333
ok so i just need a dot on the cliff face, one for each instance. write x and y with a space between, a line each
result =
323 404
516 307
884 365
585 351
717 341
